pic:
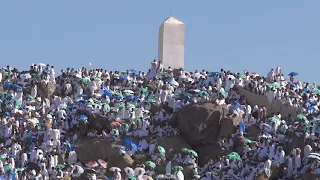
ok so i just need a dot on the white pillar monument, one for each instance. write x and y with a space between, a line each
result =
171 43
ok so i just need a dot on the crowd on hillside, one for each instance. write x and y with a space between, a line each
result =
40 128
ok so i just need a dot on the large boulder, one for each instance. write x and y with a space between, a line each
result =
121 161
228 125
209 152
200 124
89 150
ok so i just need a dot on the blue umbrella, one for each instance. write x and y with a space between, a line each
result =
212 74
134 147
11 155
127 142
133 71
129 98
242 127
21 119
16 86
7 85
46 71
118 97
83 102
292 84
293 74
186 97
311 102
123 78
312 108
237 104
12 175
31 137
7 114
82 117
107 93
68 146
82 95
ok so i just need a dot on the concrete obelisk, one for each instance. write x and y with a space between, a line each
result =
171 43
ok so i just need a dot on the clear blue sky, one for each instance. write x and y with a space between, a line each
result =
116 35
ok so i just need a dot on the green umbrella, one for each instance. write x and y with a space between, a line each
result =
151 164
302 117
316 91
60 166
20 169
224 93
143 91
234 156
161 150
193 153
6 73
8 167
125 125
248 141
36 76
120 105
273 119
130 106
185 94
151 101
185 150
307 127
137 119
18 103
118 94
277 86
177 168
96 78
203 93
190 151
164 74
106 106
131 178
84 80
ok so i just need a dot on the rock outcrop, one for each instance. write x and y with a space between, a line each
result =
261 100
203 124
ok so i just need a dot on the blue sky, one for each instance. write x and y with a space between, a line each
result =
117 35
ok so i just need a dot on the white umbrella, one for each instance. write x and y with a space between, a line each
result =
25 76
42 64
129 171
139 171
161 176
128 91
197 75
230 77
79 168
113 169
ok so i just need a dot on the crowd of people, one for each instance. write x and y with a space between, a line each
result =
39 127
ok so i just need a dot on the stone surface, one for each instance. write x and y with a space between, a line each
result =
203 124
